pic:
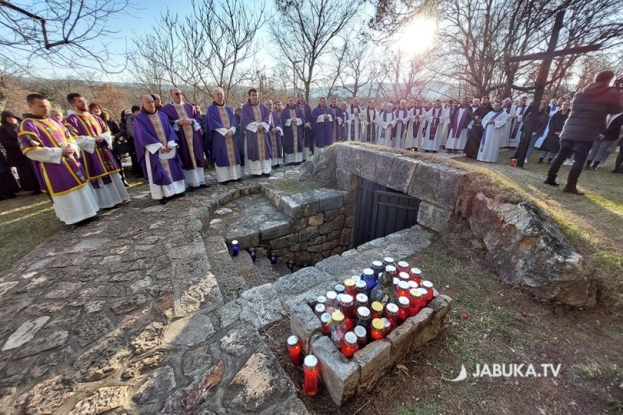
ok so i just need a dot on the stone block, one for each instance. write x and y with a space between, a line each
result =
436 183
330 215
299 281
335 265
316 220
304 258
305 324
247 238
302 246
433 217
325 228
308 233
346 180
330 245
189 331
374 360
401 173
318 240
384 163
25 333
299 224
310 209
339 222
340 375
332 199
315 248
291 207
366 162
403 337
334 235
284 241
262 303
274 229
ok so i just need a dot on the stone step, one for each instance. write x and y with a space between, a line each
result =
223 267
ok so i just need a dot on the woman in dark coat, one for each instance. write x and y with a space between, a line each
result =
120 145
8 139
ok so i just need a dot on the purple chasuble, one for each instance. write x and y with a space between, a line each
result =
223 151
55 179
323 134
258 143
293 139
190 142
102 162
307 118
336 128
152 129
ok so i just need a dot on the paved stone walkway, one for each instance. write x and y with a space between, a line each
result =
126 314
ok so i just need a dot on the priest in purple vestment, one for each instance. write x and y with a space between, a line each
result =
293 123
55 154
157 145
322 123
94 139
308 138
187 124
276 134
258 150
338 121
221 127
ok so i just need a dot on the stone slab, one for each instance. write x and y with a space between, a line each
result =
262 304
189 331
25 333
340 375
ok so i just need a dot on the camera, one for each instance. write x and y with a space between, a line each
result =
618 84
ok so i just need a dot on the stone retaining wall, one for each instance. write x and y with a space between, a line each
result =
319 223
522 242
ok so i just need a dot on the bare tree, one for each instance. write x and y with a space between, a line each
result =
214 45
305 29
406 77
362 68
63 32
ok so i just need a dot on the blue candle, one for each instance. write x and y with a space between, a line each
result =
235 248
253 254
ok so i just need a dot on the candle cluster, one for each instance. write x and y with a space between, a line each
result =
369 306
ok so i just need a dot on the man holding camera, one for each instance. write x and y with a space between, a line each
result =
589 109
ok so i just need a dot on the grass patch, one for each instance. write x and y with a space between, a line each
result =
291 186
428 409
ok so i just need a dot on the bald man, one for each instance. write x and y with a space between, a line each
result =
156 144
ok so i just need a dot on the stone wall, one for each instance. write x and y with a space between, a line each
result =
319 224
522 242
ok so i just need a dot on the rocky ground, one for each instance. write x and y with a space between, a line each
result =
142 311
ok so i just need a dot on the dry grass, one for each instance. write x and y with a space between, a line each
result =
28 220
503 326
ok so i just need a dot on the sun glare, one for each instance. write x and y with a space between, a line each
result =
417 37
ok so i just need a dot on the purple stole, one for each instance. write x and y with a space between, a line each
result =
507 109
416 126
456 123
516 124
435 124
56 179
484 135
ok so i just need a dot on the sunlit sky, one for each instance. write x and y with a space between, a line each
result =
417 36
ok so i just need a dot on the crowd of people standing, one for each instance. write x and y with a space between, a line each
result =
77 160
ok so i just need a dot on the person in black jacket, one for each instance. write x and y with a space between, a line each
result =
551 144
618 164
589 108
119 144
14 157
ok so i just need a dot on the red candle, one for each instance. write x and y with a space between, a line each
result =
347 305
415 296
403 266
391 313
362 336
326 327
402 290
416 275
349 344
377 310
350 287
378 329
403 309
310 374
294 348
429 290
423 300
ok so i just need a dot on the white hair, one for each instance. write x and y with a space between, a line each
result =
218 89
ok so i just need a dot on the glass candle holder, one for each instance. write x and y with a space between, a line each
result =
331 303
402 289
294 349
326 326
362 336
428 286
349 344
235 248
320 309
377 309
416 275
347 305
378 329
388 261
290 265
361 300
415 298
350 287
370 277
403 309
403 266
378 268
253 254
273 258
391 313
310 375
